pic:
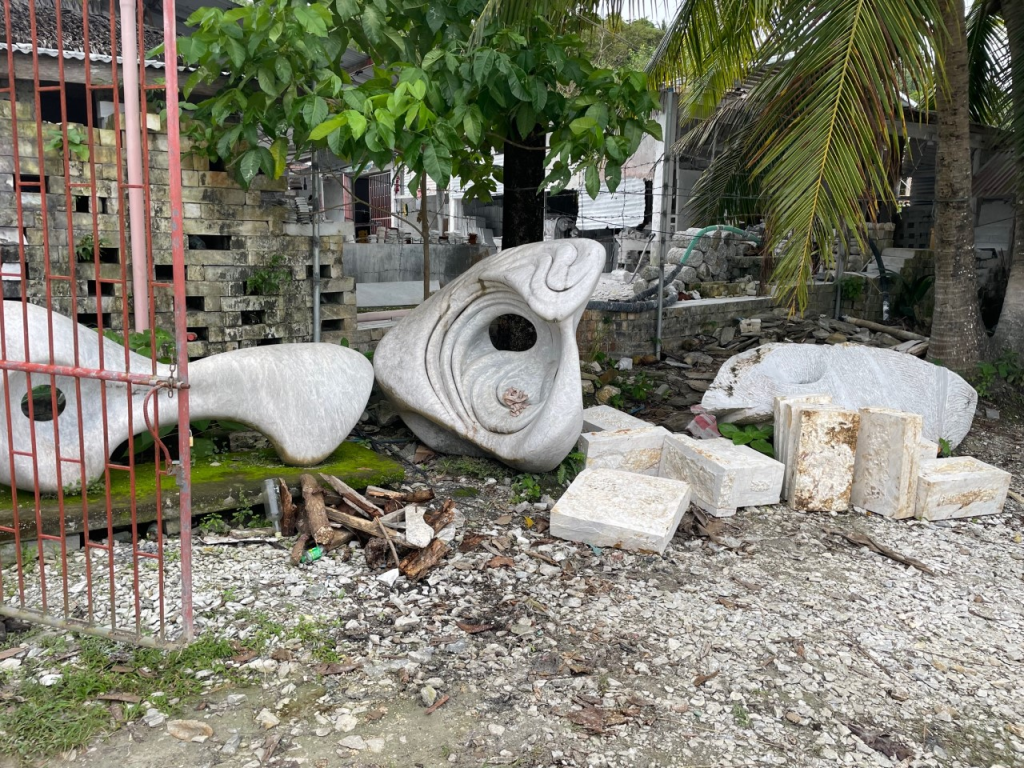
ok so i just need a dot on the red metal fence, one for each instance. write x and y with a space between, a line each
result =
89 149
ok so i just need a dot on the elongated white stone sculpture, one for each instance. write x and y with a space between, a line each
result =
855 376
722 476
820 468
887 463
631 450
611 508
460 394
304 397
960 487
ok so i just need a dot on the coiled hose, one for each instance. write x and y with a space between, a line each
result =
640 302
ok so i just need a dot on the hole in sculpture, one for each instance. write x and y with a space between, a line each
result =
42 403
512 333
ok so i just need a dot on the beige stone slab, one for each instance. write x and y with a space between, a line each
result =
887 461
601 418
960 487
783 413
927 450
612 508
823 457
631 450
722 476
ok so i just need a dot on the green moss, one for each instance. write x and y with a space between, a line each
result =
465 493
216 484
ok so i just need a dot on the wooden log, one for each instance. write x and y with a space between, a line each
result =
898 333
354 498
316 510
287 508
338 540
440 518
364 526
384 493
298 548
409 497
416 565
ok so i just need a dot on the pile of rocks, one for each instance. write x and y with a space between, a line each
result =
718 256
639 478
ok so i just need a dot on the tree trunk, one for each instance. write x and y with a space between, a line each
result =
425 233
1009 333
957 331
523 216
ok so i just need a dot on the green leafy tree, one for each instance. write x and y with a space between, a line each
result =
434 104
615 43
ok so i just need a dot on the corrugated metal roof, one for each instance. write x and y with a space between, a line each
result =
613 210
996 178
27 49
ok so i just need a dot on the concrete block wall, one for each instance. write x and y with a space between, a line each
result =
231 234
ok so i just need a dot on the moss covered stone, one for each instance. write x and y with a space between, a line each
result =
219 482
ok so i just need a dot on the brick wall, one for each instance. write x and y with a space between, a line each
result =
232 235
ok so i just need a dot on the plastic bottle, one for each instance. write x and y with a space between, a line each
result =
312 555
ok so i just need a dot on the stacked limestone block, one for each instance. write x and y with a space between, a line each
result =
232 235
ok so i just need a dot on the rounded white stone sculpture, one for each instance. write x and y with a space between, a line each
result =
460 394
304 397
855 376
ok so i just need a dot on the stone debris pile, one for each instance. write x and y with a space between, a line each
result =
829 458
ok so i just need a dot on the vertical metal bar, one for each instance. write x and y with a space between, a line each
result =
133 139
180 325
318 202
665 218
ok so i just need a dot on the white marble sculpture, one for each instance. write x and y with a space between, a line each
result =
855 376
460 394
304 397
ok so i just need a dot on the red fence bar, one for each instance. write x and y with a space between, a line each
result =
69 263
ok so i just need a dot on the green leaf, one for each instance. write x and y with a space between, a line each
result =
435 17
653 127
483 64
283 69
418 89
728 430
592 181
279 150
433 57
472 125
526 119
310 20
356 122
516 85
249 165
582 124
346 9
612 176
314 111
267 82
436 163
764 447
328 126
235 51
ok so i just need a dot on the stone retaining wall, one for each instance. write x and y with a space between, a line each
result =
232 236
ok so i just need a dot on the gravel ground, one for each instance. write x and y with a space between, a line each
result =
781 644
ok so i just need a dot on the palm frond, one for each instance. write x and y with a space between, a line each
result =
988 62
829 109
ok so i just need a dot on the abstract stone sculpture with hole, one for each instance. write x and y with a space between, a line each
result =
304 397
461 393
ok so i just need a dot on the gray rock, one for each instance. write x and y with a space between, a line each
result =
428 695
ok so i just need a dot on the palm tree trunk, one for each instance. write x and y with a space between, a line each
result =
957 330
1009 333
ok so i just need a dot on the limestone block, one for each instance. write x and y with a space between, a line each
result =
304 397
821 464
460 394
611 508
854 375
783 413
631 450
960 487
887 462
598 418
928 450
722 476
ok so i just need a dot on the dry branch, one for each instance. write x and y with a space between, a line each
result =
898 333
350 495
364 526
287 508
442 517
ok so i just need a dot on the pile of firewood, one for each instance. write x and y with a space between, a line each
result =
332 518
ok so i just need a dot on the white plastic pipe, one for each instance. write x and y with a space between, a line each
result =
133 149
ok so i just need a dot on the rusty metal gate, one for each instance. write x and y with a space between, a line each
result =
92 249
